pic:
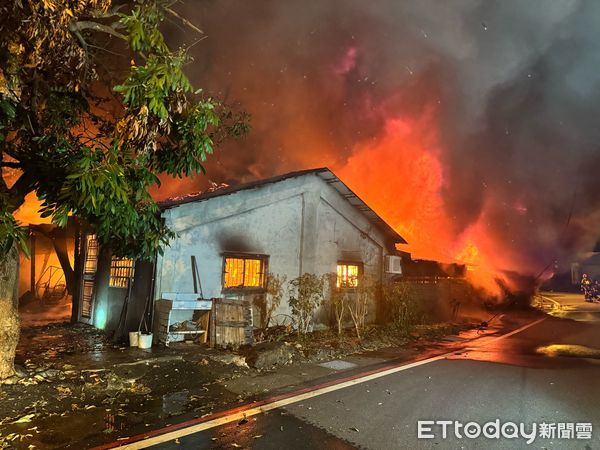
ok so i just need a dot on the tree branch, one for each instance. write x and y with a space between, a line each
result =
184 20
17 192
95 26
12 164
104 15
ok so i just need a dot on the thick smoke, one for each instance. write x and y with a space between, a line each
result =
511 89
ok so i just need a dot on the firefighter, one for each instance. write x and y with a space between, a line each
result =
587 288
595 291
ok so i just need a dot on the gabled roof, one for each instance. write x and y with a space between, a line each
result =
322 172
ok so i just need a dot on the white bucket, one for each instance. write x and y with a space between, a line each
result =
145 340
134 338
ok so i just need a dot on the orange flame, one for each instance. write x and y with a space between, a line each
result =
401 177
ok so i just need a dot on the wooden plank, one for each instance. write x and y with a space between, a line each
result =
197 305
187 332
231 324
163 305
213 328
230 301
205 324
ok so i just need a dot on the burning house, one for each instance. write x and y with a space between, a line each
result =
229 239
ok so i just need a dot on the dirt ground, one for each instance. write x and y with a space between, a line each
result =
36 313
78 389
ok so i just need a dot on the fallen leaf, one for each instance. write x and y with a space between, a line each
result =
24 419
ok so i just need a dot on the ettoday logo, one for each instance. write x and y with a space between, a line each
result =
495 429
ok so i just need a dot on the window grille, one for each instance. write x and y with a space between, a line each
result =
121 271
240 272
348 275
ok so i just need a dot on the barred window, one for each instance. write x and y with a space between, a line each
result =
241 272
91 256
348 274
121 271
87 299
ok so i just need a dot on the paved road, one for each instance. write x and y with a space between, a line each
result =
570 306
507 379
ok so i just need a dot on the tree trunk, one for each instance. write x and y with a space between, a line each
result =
77 260
9 317
59 241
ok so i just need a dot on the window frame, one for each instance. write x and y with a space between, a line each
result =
92 252
129 272
358 264
264 260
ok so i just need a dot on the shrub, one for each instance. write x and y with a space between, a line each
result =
358 303
270 300
306 294
401 301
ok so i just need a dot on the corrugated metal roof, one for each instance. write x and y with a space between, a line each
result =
323 172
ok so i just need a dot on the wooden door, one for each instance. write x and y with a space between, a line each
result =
90 266
232 323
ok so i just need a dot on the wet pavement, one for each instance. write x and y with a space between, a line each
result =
567 305
79 389
509 379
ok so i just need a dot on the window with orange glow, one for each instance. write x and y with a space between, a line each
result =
244 272
347 275
121 272
91 256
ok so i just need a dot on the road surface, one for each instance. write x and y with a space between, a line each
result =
519 378
570 306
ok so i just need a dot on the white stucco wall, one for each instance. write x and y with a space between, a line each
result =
344 235
302 223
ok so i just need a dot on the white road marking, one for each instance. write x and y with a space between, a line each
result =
518 330
172 435
557 305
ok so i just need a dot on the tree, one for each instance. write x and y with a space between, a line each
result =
93 106
338 301
358 304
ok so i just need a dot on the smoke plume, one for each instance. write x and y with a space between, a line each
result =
471 125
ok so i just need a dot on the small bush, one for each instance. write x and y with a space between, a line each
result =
401 301
358 303
306 294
